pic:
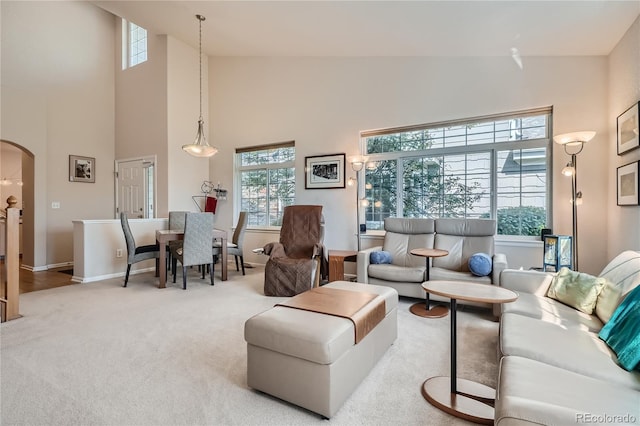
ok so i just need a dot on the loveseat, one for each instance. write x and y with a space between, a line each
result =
554 369
462 238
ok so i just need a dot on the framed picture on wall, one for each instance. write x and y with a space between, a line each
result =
628 182
324 171
628 139
82 169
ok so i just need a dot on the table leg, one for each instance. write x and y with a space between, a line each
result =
162 280
224 259
423 310
459 397
454 342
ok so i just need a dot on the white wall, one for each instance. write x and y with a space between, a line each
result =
186 173
323 103
95 244
58 99
141 109
624 91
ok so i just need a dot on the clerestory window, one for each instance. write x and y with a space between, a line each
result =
265 177
134 44
490 167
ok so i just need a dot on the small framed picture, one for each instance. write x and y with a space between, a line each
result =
628 182
82 169
324 171
628 130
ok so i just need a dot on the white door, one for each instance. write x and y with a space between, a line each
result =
134 188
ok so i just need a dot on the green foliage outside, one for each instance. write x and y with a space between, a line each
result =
524 220
428 190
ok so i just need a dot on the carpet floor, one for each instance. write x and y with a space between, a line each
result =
101 354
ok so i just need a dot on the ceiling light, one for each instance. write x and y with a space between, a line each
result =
200 147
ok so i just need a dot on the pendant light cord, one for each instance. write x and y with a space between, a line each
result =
200 18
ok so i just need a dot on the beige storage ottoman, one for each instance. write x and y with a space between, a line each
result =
310 359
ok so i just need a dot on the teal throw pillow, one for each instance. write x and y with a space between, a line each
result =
378 257
480 264
622 331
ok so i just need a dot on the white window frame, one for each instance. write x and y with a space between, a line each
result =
492 148
239 169
127 45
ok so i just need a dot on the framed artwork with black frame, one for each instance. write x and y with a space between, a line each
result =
82 169
324 171
627 124
628 182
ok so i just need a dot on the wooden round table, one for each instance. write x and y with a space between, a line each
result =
423 309
460 397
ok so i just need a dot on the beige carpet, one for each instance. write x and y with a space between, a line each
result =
101 354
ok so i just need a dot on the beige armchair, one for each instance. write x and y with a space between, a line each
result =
462 238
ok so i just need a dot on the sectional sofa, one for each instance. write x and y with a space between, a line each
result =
554 369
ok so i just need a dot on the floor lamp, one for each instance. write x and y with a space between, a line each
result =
357 164
573 143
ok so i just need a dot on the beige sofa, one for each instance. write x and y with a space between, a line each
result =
462 238
554 370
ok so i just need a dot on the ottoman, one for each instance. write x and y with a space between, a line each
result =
310 359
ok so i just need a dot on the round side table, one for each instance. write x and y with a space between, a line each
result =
423 309
463 398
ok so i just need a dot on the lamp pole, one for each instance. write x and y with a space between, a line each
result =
357 163
358 208
574 206
576 141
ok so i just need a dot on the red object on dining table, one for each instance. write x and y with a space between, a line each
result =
210 205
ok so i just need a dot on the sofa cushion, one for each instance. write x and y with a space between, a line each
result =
622 274
531 392
480 264
576 289
463 238
570 349
441 274
380 257
552 311
397 273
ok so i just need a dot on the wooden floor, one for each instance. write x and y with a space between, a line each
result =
34 281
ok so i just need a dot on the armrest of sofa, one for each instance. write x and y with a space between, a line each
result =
363 264
499 265
533 282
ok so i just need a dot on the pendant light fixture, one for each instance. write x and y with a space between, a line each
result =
200 147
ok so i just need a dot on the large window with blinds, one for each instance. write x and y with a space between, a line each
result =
266 179
490 167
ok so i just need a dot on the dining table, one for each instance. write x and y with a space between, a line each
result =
163 236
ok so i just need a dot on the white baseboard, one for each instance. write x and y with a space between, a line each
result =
83 280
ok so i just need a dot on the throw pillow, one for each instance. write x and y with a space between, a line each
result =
576 289
622 332
378 257
480 264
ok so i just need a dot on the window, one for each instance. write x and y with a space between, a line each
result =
493 167
134 44
266 179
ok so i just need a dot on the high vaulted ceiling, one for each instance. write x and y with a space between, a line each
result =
388 28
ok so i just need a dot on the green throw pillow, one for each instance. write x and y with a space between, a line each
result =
576 289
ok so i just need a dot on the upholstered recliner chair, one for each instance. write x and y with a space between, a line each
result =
294 261
462 238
